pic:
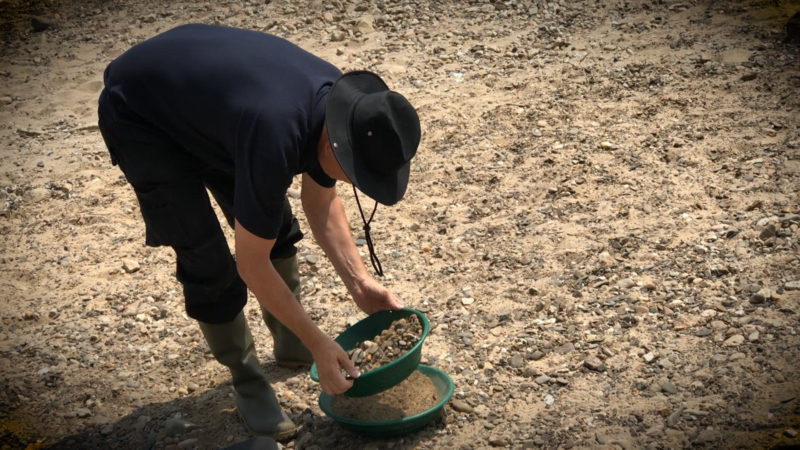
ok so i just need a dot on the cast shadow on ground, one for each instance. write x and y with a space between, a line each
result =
209 418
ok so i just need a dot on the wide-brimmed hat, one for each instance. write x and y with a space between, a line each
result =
374 132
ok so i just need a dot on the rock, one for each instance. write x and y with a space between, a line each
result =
594 363
736 339
769 231
130 265
703 332
606 145
188 443
792 285
360 242
177 425
312 259
565 348
293 193
6 100
549 400
461 406
40 23
790 433
466 301
338 36
668 387
517 361
626 283
753 337
498 441
542 379
649 357
364 25
761 296
83 412
36 195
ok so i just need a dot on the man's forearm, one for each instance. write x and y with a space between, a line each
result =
332 232
273 294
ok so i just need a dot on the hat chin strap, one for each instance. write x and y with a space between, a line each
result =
373 258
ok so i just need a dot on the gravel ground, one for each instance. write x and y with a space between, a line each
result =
601 226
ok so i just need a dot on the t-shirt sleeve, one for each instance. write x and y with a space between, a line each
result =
262 174
318 175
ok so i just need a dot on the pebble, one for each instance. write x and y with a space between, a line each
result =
703 332
736 339
565 348
761 296
461 406
517 361
753 337
649 357
83 412
626 283
549 400
36 195
466 301
594 363
668 387
39 23
790 433
6 100
792 285
542 379
312 259
188 443
130 265
360 242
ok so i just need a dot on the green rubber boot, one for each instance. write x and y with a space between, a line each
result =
232 345
289 351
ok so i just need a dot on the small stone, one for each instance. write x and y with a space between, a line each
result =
188 443
461 406
338 36
626 283
83 412
36 195
293 193
594 363
364 25
360 242
736 339
668 387
789 433
312 259
792 285
565 348
466 301
606 145
649 357
130 265
549 400
107 429
753 337
703 332
761 296
40 23
6 100
517 361
536 355
542 379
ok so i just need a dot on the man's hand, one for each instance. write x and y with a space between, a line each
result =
372 297
331 359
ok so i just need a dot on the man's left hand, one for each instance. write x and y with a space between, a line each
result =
372 297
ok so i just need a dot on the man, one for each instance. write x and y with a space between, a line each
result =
240 113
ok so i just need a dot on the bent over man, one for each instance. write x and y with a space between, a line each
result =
239 113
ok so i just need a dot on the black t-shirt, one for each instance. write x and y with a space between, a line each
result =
244 102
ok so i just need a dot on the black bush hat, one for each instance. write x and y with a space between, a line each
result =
374 132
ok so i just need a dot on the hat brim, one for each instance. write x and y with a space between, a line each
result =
386 188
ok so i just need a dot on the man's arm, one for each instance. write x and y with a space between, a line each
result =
255 268
328 223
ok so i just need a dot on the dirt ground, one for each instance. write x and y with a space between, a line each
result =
601 226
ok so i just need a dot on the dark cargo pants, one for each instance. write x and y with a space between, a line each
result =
170 185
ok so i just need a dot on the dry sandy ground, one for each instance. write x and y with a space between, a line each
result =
602 227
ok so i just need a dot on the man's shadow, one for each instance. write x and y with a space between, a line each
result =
207 419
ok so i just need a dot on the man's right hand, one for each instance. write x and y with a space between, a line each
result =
332 366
